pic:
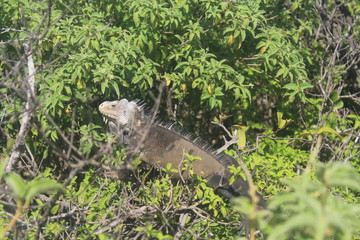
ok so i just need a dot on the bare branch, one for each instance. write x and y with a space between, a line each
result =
29 110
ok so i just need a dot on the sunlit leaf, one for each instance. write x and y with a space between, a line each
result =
329 130
210 89
231 40
282 122
241 134
262 50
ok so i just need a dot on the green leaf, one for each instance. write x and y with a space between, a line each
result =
334 96
136 18
280 72
212 102
242 205
104 86
338 174
54 209
291 86
306 85
116 88
338 104
218 92
150 45
37 187
96 45
16 184
299 220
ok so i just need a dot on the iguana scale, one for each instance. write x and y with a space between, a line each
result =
160 145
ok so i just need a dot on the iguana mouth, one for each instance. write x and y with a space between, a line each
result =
108 117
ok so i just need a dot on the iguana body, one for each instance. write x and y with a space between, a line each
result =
160 145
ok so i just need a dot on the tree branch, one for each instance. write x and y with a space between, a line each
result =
29 109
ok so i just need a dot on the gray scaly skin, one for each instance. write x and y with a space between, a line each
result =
161 145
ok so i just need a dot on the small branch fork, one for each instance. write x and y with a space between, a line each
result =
227 144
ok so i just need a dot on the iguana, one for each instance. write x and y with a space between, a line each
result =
159 144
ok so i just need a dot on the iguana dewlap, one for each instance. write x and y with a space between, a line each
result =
161 145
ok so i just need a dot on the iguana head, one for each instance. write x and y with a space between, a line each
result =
123 118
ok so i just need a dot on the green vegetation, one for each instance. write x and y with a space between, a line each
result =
282 76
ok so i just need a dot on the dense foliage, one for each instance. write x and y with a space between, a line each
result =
282 76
